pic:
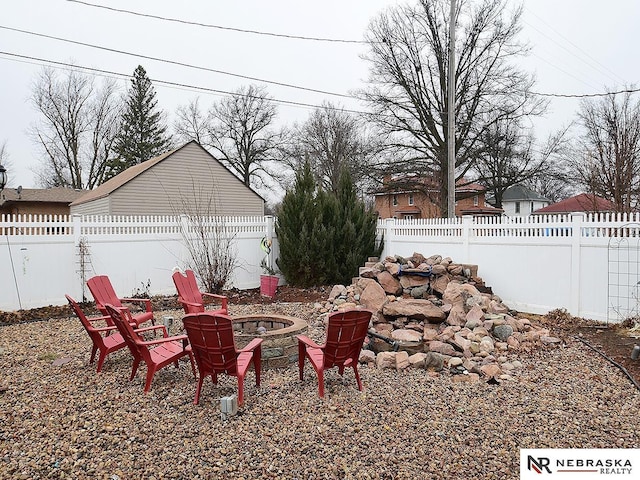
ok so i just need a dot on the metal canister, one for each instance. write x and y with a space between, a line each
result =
635 354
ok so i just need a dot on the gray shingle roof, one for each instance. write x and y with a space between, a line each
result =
518 193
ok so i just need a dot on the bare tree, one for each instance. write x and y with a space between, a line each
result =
608 162
508 157
408 82
238 130
332 139
76 130
209 241
192 123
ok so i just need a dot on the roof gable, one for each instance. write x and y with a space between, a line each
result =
518 193
584 202
130 173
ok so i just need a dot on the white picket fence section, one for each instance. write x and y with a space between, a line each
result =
535 263
41 261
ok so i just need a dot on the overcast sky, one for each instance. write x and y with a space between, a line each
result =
578 47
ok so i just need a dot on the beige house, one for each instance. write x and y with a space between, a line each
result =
185 180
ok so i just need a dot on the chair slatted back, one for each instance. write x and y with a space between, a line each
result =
122 319
187 287
345 335
103 292
211 339
83 318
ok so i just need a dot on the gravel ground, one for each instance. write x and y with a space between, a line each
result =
66 421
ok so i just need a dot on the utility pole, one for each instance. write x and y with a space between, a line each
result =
451 117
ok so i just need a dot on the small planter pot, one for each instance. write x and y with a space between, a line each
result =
268 285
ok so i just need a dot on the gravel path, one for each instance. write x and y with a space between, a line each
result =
67 421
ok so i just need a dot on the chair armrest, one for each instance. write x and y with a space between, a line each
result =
307 341
223 299
252 345
165 340
105 329
146 301
193 304
153 327
103 318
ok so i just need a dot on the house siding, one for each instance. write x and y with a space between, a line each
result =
187 181
99 206
525 207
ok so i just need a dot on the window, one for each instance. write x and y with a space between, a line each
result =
475 200
409 217
532 207
411 199
395 200
517 207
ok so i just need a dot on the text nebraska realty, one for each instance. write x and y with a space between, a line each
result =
608 466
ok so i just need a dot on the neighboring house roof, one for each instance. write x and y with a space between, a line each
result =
479 211
585 202
393 186
41 195
116 182
518 193
130 173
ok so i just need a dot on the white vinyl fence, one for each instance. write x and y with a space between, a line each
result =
586 264
43 258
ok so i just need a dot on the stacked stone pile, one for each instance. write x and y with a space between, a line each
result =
437 314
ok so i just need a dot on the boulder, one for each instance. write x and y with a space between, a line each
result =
434 361
405 335
442 348
502 332
367 356
402 360
415 309
337 291
417 360
373 297
389 283
386 360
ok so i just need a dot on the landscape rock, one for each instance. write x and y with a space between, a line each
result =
415 308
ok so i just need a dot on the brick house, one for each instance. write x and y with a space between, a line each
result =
406 200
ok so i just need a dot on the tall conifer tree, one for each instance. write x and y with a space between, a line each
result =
143 134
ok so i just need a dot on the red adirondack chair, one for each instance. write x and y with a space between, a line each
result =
190 296
103 293
105 339
156 353
345 336
211 338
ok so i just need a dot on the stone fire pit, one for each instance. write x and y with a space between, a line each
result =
279 346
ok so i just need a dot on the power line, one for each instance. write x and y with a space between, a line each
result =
587 95
598 66
219 27
173 62
107 73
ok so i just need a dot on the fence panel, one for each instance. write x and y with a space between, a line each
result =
534 263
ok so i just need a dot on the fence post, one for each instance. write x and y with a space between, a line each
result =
389 248
467 223
576 238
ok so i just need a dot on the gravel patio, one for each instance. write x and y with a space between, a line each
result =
66 421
